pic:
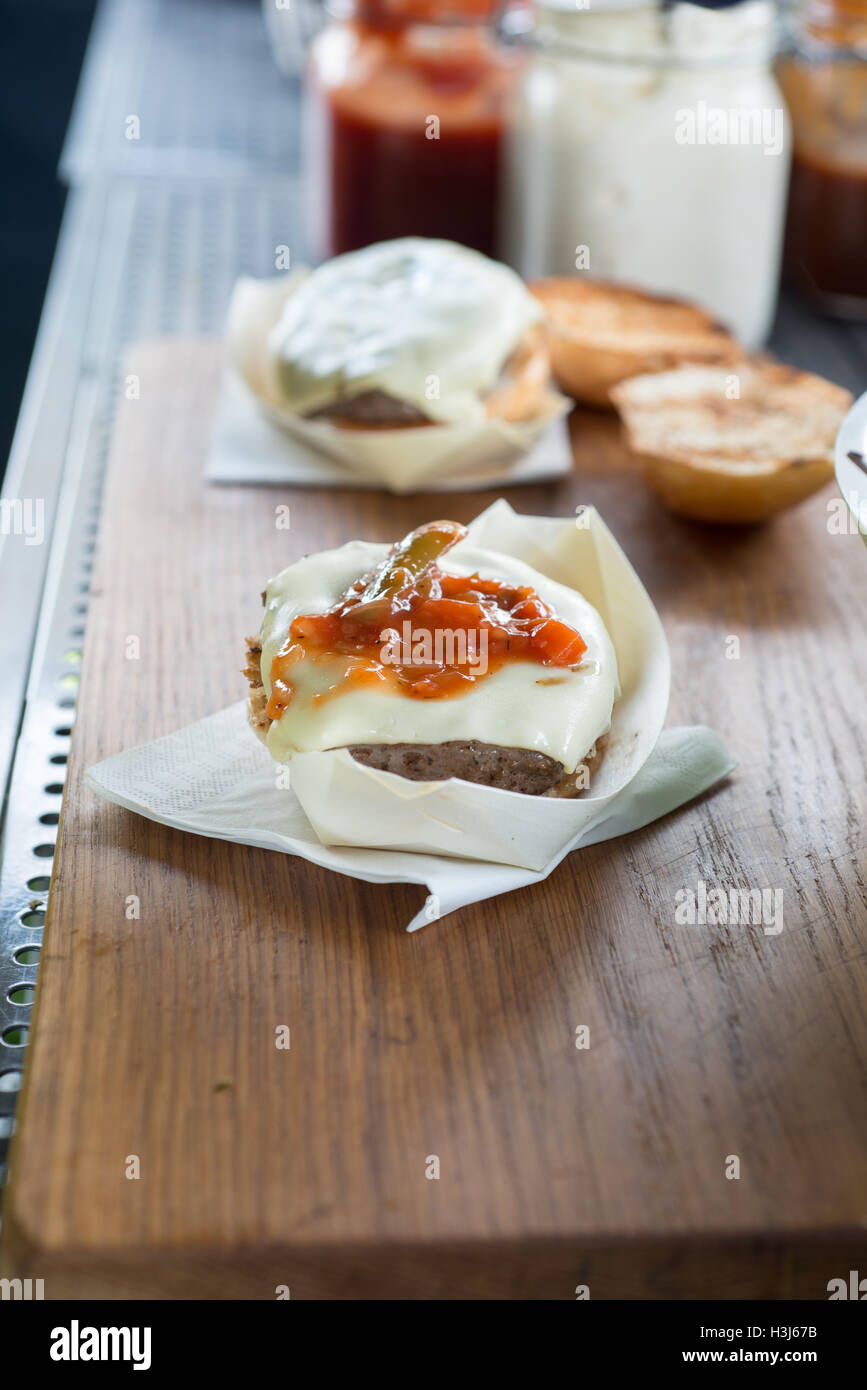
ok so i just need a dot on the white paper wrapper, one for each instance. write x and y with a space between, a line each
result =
466 842
214 778
257 440
350 804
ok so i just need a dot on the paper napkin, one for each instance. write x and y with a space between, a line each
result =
214 778
257 439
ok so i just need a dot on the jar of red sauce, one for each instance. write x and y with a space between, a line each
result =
825 83
406 106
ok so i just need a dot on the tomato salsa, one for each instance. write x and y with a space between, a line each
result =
422 632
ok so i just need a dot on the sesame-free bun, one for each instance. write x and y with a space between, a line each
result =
600 334
732 444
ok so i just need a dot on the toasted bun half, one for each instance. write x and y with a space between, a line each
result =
732 444
600 334
524 388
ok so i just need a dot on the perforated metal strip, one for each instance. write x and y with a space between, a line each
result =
202 83
164 263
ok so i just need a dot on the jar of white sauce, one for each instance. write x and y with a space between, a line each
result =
651 145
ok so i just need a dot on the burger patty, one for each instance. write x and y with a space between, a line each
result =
517 395
371 408
511 769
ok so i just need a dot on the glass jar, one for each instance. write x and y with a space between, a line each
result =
405 110
651 146
825 82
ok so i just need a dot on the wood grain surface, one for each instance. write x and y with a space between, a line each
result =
559 1166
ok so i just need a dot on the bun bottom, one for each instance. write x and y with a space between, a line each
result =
600 334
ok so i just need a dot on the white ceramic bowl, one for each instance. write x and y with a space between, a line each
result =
852 475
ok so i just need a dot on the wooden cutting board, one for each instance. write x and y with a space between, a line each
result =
604 1166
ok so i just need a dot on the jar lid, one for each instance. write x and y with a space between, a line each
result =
835 25
571 6
408 11
681 34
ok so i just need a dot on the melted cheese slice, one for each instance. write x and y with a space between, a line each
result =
427 322
556 711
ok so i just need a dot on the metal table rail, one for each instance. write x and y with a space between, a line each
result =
155 232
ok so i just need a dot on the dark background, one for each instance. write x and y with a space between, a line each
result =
42 44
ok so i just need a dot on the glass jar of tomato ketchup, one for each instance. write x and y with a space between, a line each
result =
406 105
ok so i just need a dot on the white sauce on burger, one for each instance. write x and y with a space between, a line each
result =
427 322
